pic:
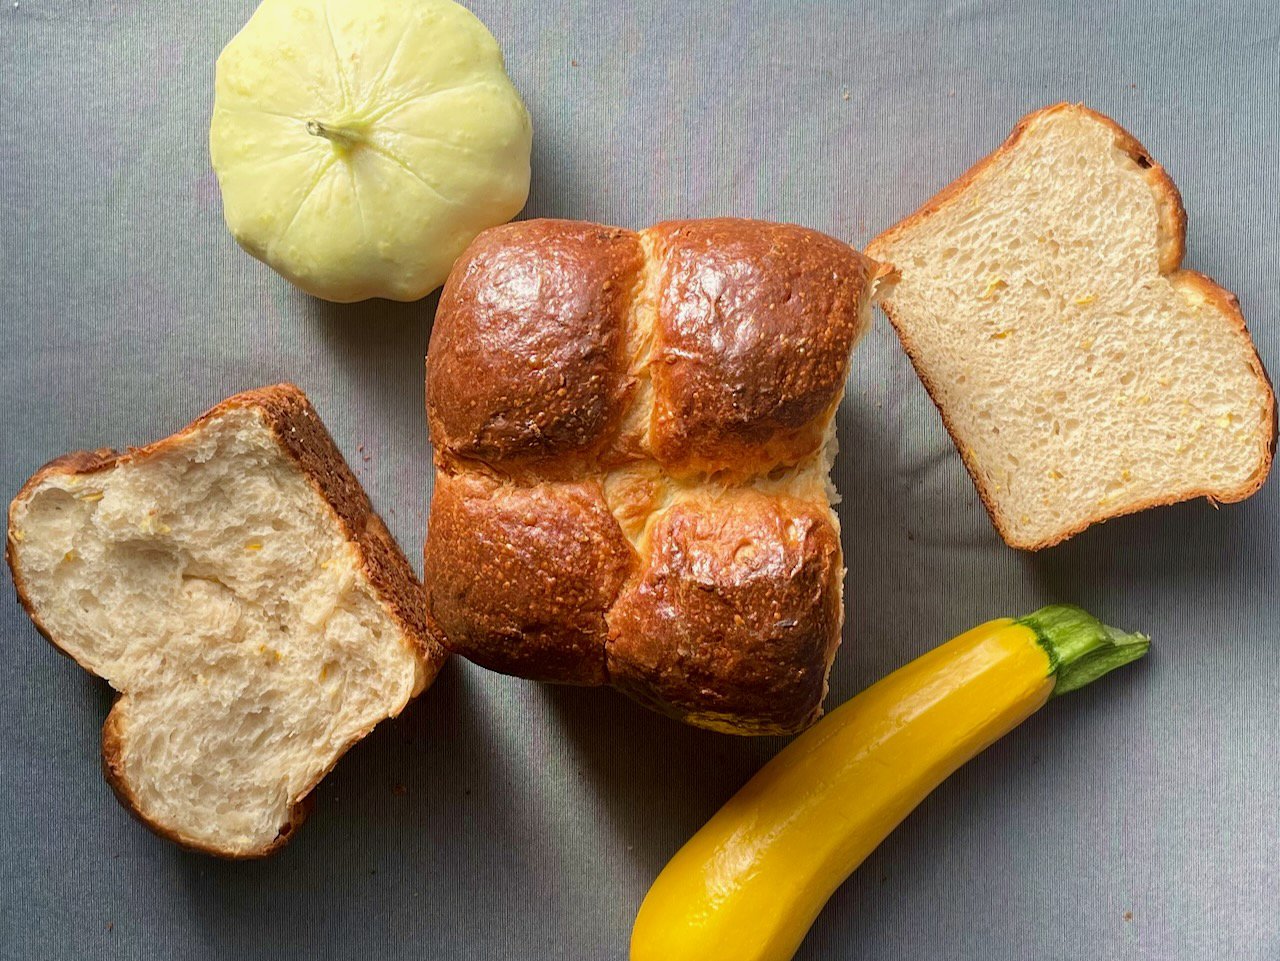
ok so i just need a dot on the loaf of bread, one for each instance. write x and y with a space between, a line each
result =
633 434
234 585
1082 373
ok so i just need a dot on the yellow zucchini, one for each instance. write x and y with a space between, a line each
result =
748 886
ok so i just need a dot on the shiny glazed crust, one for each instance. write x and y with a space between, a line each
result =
751 342
532 367
735 620
301 435
523 576
607 518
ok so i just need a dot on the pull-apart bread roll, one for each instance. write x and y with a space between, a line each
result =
234 585
633 434
1081 371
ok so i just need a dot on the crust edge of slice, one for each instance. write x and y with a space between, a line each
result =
1172 247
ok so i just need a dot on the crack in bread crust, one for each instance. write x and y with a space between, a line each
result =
721 368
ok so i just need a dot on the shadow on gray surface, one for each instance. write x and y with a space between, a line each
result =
377 409
1188 546
550 193
382 346
666 781
373 321
871 526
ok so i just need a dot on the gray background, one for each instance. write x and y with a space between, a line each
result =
499 819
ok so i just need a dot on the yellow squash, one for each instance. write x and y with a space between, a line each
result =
748 886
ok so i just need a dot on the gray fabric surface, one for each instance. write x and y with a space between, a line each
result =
500 819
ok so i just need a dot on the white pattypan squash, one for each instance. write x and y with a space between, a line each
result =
361 144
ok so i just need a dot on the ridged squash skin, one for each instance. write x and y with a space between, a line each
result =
360 145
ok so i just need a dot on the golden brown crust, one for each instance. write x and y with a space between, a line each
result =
755 324
520 577
736 617
1172 244
304 438
732 342
527 359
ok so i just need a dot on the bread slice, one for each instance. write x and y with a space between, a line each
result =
1081 372
234 585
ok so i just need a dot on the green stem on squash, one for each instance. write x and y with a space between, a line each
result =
1080 647
342 137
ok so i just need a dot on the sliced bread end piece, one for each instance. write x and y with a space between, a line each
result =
234 585
1080 371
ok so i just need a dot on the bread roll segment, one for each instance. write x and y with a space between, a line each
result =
736 617
751 342
529 346
633 433
524 575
